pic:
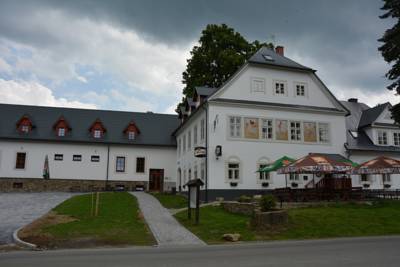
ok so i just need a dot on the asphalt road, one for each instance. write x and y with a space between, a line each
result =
379 251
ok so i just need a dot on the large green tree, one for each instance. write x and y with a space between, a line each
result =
391 49
220 53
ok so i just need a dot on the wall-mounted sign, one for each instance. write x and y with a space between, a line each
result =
200 152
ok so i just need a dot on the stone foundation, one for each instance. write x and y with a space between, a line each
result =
66 185
238 207
266 220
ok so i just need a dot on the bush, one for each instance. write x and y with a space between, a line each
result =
267 202
245 199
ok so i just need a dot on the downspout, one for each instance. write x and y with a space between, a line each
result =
207 150
108 164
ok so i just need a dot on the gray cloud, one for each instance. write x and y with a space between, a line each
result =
338 38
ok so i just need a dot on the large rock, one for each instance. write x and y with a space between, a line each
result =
231 237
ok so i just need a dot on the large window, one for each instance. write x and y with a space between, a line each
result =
120 164
281 129
195 135
263 176
235 126
382 138
396 139
20 160
295 131
202 129
323 130
310 131
233 171
140 165
266 129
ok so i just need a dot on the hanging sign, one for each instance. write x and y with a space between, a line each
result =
200 152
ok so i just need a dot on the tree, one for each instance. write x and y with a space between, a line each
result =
391 49
221 52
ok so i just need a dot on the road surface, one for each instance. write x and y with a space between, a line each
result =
379 251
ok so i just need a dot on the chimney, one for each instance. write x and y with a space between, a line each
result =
353 100
279 50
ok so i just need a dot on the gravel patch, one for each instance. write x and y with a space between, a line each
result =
20 209
166 230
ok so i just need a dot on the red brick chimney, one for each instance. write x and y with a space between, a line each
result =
279 50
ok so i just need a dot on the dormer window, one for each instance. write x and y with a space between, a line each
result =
61 132
131 131
25 128
24 125
382 138
97 129
61 127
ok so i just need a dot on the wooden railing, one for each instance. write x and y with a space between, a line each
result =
334 183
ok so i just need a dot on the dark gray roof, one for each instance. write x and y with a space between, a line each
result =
205 91
190 102
356 109
275 59
370 115
155 129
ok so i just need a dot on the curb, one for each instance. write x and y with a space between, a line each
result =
20 242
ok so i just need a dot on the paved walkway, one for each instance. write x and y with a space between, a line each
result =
165 228
19 209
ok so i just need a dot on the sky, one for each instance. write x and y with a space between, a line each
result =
130 54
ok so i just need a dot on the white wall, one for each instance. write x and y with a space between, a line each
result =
251 151
240 87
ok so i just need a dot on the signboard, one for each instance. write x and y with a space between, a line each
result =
200 152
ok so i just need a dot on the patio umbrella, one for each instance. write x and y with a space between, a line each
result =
277 164
316 163
46 169
379 165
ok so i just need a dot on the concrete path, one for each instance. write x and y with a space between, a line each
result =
166 230
19 209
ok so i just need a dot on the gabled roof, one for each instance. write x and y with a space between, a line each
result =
369 116
356 110
156 129
267 56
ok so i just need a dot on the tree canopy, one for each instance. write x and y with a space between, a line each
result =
391 49
221 51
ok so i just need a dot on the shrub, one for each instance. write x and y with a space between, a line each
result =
245 199
267 202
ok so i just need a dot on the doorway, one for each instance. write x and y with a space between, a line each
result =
156 180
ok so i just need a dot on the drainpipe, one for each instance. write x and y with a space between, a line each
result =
207 154
108 164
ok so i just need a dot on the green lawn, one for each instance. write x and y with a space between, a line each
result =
118 222
170 201
336 220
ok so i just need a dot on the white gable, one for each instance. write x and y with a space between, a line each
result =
385 117
253 83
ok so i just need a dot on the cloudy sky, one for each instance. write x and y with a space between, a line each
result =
130 54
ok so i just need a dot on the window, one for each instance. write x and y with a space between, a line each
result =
280 88
58 157
386 178
189 140
95 158
195 135
382 138
97 134
195 174
233 171
323 131
396 139
61 132
179 146
235 125
140 165
25 128
293 177
120 164
266 129
184 144
305 177
202 171
131 135
295 131
364 177
77 158
281 130
20 161
258 85
300 89
190 174
263 175
310 132
202 129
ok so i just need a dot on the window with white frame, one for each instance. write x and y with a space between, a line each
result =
235 126
280 88
364 178
300 89
202 129
386 178
293 177
97 134
131 135
323 132
25 128
267 129
61 132
195 135
396 139
258 85
189 142
120 164
295 131
233 170
382 138
263 176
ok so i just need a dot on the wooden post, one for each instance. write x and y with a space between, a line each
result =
97 203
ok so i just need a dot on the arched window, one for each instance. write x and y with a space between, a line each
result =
261 163
179 180
233 170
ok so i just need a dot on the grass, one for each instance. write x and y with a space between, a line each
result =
336 220
170 201
119 222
